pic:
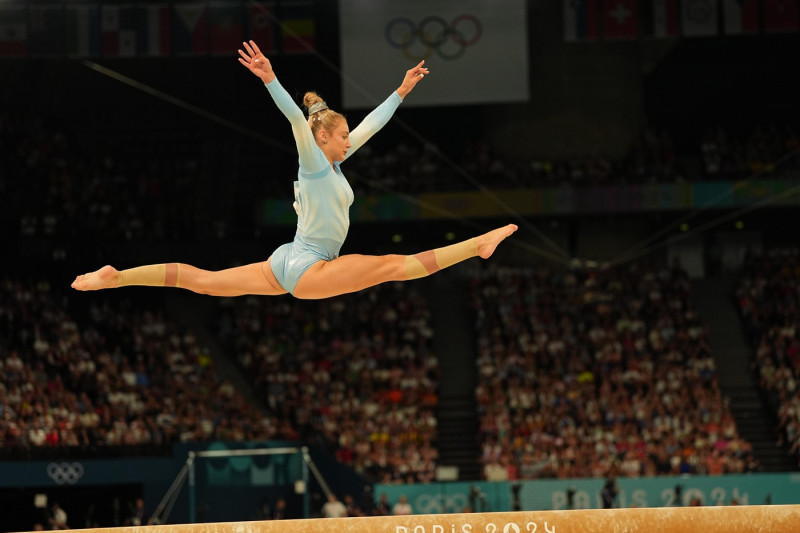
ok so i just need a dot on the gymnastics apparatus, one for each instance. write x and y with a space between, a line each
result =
749 518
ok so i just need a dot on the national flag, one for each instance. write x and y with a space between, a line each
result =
619 19
260 25
190 29
665 18
297 26
780 16
13 31
699 18
82 30
46 30
580 20
225 28
121 26
156 42
740 16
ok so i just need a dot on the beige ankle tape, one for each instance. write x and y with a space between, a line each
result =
426 263
455 253
163 275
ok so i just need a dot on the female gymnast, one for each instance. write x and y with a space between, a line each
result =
310 266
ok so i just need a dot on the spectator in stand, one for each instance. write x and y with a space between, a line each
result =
367 501
609 494
279 512
333 508
402 507
382 508
58 517
350 505
138 516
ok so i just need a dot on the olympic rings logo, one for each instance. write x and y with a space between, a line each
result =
65 473
434 34
438 504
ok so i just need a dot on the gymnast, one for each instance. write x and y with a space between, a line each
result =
310 266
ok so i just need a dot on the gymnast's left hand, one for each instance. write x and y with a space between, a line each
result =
413 77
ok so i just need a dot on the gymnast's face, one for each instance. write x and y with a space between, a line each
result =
336 142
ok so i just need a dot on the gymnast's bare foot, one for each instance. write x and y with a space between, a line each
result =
105 278
489 241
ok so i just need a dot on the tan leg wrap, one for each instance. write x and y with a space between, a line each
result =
163 275
426 263
414 268
455 253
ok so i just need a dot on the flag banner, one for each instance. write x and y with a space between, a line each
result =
581 21
780 16
619 19
477 50
156 38
225 28
46 30
13 31
297 26
190 29
122 27
261 25
665 19
82 30
699 18
740 16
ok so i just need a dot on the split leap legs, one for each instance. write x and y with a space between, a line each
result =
324 279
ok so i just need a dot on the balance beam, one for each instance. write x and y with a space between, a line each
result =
748 518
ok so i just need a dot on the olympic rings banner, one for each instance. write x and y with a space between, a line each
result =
69 472
476 50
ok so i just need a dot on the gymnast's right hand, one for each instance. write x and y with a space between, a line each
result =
254 60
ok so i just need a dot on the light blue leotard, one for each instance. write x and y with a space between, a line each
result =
322 195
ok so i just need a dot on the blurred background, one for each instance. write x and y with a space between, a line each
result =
634 343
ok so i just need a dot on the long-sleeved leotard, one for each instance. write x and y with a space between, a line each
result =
322 194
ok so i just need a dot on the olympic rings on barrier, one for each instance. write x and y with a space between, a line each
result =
440 503
65 473
433 34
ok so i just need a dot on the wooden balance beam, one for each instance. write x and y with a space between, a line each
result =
749 519
744 519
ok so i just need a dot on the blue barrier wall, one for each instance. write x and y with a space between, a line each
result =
434 498
747 489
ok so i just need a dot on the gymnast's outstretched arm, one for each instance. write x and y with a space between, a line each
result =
312 160
381 114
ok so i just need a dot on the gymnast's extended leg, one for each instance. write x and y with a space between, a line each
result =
256 278
351 273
